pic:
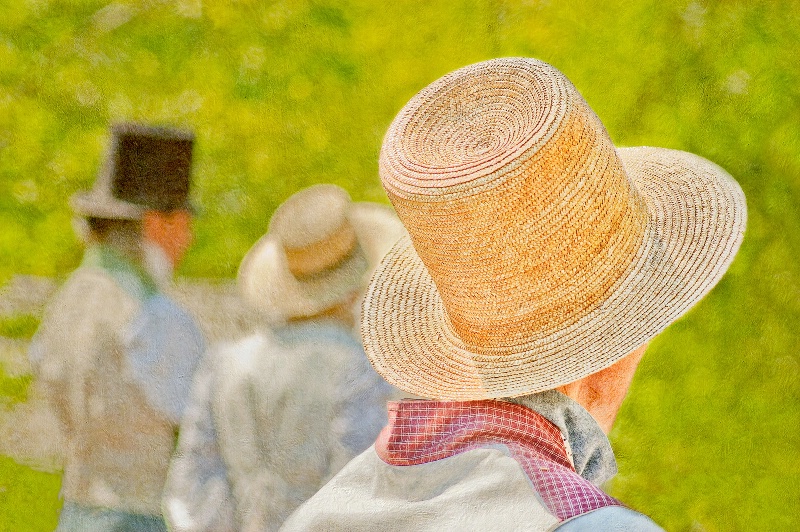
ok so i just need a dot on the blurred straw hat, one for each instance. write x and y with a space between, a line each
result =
147 168
319 251
538 253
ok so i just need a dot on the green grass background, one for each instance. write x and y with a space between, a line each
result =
286 94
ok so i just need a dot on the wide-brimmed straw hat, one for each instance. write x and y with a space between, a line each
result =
146 168
539 253
319 251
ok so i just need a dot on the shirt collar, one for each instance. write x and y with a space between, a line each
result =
591 451
131 277
321 329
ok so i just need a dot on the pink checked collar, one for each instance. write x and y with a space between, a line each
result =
424 431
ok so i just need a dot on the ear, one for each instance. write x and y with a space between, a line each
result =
152 224
602 393
169 230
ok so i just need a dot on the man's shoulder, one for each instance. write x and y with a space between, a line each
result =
243 354
88 311
251 361
616 518
268 353
481 489
89 280
91 292
316 330
314 342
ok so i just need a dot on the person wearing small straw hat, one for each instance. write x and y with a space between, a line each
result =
541 260
276 414
114 354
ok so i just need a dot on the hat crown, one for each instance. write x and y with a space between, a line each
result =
145 168
514 198
314 229
310 215
151 166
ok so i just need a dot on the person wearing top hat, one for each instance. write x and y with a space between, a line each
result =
541 260
276 414
114 353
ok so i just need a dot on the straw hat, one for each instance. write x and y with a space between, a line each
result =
538 253
146 167
319 250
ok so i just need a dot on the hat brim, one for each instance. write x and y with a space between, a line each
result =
267 284
94 205
697 221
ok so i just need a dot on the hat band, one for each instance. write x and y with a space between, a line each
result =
321 255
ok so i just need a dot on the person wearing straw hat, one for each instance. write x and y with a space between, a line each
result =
541 260
114 354
276 414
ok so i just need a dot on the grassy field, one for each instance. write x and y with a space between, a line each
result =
286 94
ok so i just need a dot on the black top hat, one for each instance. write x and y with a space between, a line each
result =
147 168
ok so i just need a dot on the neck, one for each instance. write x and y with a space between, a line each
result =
157 263
127 246
602 393
588 445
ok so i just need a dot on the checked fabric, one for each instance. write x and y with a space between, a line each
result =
424 431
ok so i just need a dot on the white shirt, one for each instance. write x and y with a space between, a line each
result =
272 417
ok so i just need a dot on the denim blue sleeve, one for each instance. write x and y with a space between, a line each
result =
163 346
612 519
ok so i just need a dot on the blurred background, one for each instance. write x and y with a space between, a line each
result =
285 94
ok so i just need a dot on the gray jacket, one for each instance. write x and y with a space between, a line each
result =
115 357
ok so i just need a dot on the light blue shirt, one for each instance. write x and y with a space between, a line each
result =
163 345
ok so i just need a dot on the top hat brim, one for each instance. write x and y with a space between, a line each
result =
697 217
267 284
97 205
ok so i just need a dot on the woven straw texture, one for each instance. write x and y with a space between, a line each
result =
538 253
320 249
